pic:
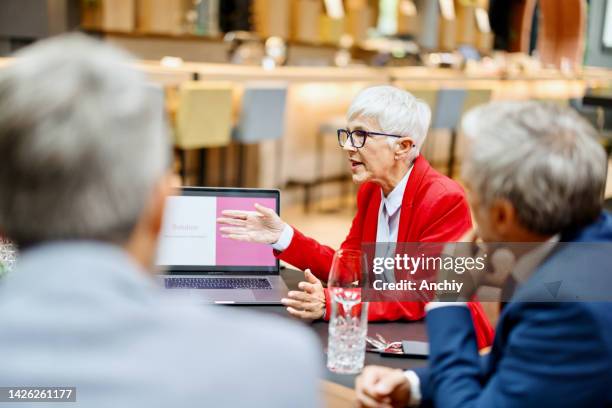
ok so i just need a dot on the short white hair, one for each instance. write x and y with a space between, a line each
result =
81 143
543 158
395 111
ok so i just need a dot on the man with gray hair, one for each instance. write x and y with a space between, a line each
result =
535 175
84 176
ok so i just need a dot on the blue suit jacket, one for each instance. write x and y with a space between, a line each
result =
545 354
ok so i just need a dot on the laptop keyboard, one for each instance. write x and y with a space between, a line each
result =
217 283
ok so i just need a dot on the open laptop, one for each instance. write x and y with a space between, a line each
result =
199 261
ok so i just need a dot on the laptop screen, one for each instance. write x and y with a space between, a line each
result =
190 240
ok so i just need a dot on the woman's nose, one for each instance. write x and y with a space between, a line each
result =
348 146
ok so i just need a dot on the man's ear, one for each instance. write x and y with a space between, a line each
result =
403 146
166 186
503 218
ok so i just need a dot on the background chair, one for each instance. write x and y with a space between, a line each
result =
449 107
262 118
203 120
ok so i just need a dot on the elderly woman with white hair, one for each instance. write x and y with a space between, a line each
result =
401 199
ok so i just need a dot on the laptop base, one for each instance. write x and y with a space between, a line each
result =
272 296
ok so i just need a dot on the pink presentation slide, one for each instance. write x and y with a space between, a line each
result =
231 252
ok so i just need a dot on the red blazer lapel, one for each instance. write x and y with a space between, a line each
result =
370 226
421 167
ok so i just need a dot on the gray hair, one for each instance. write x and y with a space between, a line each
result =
81 144
395 111
543 158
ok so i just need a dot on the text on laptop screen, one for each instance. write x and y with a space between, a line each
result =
190 235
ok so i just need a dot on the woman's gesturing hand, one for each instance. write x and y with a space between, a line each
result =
263 225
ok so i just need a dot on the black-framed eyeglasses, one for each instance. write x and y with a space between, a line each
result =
357 137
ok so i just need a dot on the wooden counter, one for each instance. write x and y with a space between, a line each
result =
320 95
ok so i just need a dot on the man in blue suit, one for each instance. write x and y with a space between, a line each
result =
534 174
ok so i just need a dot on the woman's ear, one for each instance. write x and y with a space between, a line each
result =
403 146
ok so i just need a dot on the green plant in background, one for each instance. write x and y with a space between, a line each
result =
8 256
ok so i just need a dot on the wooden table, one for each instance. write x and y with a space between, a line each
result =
337 396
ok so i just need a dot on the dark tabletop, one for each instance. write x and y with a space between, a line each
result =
601 98
392 331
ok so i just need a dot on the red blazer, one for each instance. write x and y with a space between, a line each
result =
434 209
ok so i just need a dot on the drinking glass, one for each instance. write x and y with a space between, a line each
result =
348 322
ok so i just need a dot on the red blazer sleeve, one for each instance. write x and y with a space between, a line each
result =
304 252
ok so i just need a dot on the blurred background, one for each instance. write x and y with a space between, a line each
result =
254 90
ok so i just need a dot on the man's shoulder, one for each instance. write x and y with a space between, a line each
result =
224 345
564 328
552 344
574 272
266 351
246 330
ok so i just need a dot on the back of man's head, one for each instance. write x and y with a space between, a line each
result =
542 158
82 145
